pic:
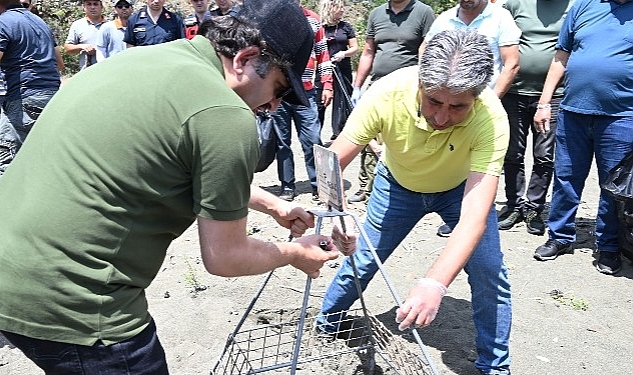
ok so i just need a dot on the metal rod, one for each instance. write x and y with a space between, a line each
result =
394 293
340 79
231 337
304 309
359 290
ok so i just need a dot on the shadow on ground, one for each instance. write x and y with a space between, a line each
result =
452 333
4 342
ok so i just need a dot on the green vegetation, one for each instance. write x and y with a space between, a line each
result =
59 14
191 278
568 299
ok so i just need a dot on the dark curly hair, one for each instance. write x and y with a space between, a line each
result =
229 35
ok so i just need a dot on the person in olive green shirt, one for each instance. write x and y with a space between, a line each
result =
124 159
540 22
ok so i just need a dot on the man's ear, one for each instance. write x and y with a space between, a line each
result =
243 57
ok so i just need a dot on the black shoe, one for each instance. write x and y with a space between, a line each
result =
550 250
359 196
444 230
287 194
534 223
321 333
315 196
609 262
509 218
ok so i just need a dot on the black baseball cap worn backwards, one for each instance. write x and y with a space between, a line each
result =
288 34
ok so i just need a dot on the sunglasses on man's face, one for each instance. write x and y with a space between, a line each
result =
121 6
280 93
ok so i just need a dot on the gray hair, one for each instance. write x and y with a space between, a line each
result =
459 60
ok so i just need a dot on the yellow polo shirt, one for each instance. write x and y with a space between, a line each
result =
422 159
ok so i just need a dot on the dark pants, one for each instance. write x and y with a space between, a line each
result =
579 139
17 119
521 110
142 354
341 108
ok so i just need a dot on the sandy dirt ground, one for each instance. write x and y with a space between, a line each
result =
568 318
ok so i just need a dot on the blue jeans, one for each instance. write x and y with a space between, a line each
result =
578 138
306 120
392 212
16 121
142 354
521 110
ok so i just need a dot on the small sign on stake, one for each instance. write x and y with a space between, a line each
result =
329 178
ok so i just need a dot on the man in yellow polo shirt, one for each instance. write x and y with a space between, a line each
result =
445 135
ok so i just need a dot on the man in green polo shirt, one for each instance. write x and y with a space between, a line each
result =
123 160
445 135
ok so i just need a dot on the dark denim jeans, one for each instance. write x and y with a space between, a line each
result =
521 110
309 133
16 121
392 212
140 355
578 138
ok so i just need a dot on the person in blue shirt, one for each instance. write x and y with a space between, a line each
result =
30 62
110 37
594 58
153 24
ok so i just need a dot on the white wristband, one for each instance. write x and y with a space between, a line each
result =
543 106
427 281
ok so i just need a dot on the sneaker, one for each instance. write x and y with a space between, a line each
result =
287 194
550 250
509 218
444 230
315 196
609 262
534 223
359 196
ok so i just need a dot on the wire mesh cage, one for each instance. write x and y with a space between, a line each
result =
362 345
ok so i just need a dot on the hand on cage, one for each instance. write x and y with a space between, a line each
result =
421 305
345 239
295 218
312 255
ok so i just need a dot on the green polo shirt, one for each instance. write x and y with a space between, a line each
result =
540 23
420 158
121 161
397 36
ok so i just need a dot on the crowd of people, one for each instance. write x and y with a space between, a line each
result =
439 108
